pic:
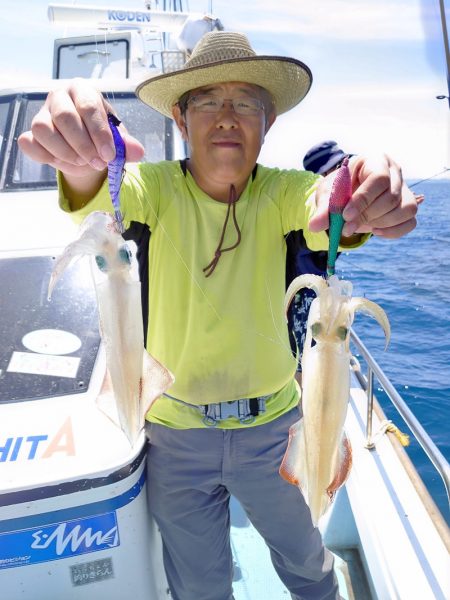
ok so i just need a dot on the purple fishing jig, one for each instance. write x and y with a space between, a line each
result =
116 170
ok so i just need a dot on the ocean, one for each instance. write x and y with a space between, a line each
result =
410 279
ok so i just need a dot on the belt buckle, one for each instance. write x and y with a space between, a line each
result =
240 409
228 409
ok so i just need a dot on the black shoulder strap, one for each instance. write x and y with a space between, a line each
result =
140 234
183 165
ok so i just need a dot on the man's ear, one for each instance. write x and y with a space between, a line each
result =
180 120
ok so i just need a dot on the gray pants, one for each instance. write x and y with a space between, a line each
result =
191 474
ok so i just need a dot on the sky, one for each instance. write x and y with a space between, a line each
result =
377 65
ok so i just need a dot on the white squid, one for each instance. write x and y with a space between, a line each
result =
137 379
318 458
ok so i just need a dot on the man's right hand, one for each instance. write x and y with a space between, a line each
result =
71 133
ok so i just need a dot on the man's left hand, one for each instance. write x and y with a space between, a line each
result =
381 202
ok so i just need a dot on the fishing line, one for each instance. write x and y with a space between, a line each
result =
280 341
177 252
183 262
347 268
205 296
279 337
113 101
411 185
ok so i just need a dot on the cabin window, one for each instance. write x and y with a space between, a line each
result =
26 171
18 172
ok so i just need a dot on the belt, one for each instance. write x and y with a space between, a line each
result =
244 409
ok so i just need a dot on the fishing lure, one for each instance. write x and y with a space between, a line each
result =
341 193
116 170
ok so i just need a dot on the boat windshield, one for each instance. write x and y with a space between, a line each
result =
19 173
3 116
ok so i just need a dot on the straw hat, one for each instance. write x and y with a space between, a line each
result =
222 56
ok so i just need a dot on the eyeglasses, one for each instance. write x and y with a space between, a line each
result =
209 103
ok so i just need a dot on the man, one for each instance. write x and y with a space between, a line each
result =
217 270
322 158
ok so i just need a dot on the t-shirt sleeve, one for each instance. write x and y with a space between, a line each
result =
299 207
139 196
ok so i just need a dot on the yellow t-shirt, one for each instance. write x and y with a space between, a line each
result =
224 337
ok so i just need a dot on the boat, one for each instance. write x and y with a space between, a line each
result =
74 521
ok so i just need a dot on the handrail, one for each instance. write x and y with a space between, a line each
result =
434 454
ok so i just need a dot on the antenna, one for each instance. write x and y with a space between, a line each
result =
447 50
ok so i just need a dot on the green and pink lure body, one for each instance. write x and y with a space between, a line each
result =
341 193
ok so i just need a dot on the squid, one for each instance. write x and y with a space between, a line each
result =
137 379
318 457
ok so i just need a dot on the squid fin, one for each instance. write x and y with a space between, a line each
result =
155 380
290 469
343 468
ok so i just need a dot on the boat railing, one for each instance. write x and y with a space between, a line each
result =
366 382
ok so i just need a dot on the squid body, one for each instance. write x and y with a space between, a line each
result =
137 379
318 457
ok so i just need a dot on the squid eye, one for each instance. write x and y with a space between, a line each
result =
101 263
342 332
316 329
125 254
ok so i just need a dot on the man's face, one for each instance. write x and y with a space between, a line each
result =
224 145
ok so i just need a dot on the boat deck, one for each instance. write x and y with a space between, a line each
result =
255 576
386 541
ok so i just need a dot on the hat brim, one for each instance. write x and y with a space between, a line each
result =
288 81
